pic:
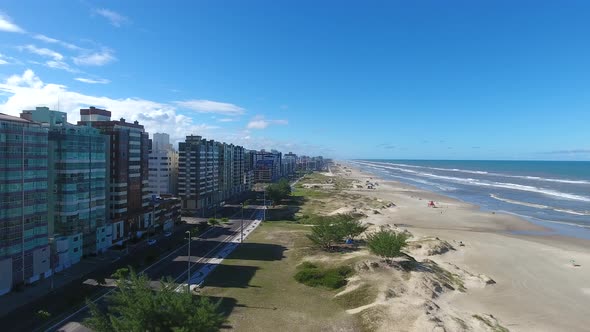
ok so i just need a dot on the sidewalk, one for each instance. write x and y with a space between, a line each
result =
61 280
16 299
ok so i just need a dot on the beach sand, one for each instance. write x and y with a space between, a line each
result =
538 288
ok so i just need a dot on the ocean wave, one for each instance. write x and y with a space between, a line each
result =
513 186
524 177
428 183
540 206
546 220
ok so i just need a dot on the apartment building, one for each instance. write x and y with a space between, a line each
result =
128 194
163 166
198 174
24 244
76 192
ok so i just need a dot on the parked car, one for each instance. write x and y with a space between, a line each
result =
151 242
167 234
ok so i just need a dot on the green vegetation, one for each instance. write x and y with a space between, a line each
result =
361 296
332 278
445 277
493 325
43 314
213 221
224 220
278 191
325 234
258 275
330 230
386 244
135 306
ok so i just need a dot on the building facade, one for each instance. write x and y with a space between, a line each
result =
128 194
198 174
267 166
76 192
289 164
24 245
163 166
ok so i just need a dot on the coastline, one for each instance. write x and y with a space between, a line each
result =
538 287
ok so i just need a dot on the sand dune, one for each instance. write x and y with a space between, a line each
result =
528 283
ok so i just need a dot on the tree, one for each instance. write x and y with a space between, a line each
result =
386 244
325 234
278 191
136 307
350 226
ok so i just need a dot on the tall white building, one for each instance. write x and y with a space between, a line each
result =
163 166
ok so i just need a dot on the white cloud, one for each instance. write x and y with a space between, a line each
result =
28 91
95 59
209 106
260 122
92 81
61 65
57 61
114 18
227 120
50 40
45 52
3 59
7 25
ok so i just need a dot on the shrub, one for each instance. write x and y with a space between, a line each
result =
386 244
43 314
213 221
329 230
224 220
313 276
325 234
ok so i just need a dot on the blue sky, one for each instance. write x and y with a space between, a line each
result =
365 79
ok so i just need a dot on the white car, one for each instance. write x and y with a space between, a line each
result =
167 234
151 242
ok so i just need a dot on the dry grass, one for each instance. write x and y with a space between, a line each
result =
271 298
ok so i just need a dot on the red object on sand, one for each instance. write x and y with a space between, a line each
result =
431 204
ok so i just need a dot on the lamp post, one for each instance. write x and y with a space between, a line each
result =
242 225
264 209
188 277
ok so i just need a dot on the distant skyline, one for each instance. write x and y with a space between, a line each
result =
370 79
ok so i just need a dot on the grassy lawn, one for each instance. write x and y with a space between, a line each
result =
259 277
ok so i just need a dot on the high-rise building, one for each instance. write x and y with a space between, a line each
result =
267 166
127 173
76 192
231 170
163 166
198 174
24 244
289 164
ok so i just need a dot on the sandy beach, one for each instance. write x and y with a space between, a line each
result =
542 283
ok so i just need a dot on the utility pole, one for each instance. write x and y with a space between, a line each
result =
188 277
242 225
264 209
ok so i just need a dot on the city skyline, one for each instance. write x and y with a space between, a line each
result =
391 80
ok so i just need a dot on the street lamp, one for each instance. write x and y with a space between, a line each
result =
242 225
188 278
264 210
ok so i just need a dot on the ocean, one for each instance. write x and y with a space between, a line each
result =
554 194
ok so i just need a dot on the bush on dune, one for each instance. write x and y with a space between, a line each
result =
314 276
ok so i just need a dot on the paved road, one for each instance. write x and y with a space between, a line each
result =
173 265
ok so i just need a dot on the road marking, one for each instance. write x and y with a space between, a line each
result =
56 325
